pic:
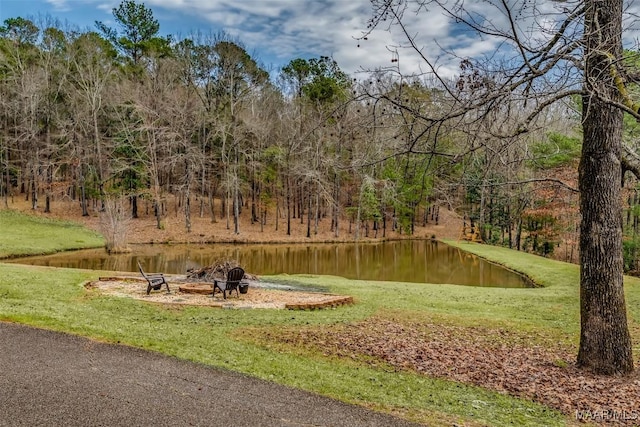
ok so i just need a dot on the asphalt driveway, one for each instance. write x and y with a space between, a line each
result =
54 379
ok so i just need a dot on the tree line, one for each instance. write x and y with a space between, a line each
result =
125 113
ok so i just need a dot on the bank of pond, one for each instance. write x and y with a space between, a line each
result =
417 261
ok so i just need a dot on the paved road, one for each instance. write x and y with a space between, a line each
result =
53 379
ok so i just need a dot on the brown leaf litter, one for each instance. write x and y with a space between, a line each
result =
531 367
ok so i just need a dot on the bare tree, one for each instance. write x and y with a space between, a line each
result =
224 77
92 60
19 60
114 224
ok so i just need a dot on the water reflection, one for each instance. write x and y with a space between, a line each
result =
405 261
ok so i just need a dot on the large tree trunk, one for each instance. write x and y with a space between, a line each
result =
605 344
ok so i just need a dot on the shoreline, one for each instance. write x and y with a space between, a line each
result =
204 230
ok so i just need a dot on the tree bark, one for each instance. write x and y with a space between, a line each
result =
605 344
309 211
134 206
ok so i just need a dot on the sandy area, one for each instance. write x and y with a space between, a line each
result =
256 297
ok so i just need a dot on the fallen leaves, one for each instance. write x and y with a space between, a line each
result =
540 369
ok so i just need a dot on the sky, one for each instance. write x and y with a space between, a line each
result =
273 31
277 31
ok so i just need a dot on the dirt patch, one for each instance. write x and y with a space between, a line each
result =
204 229
256 296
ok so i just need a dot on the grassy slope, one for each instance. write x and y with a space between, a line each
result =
55 299
30 235
557 304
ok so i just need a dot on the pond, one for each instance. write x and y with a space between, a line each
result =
420 261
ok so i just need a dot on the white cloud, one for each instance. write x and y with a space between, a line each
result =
284 29
68 4
281 30
58 4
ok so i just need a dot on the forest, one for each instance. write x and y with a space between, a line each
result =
114 116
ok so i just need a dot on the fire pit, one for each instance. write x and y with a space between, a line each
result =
199 293
196 288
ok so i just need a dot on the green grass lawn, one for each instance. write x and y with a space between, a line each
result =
56 299
22 235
